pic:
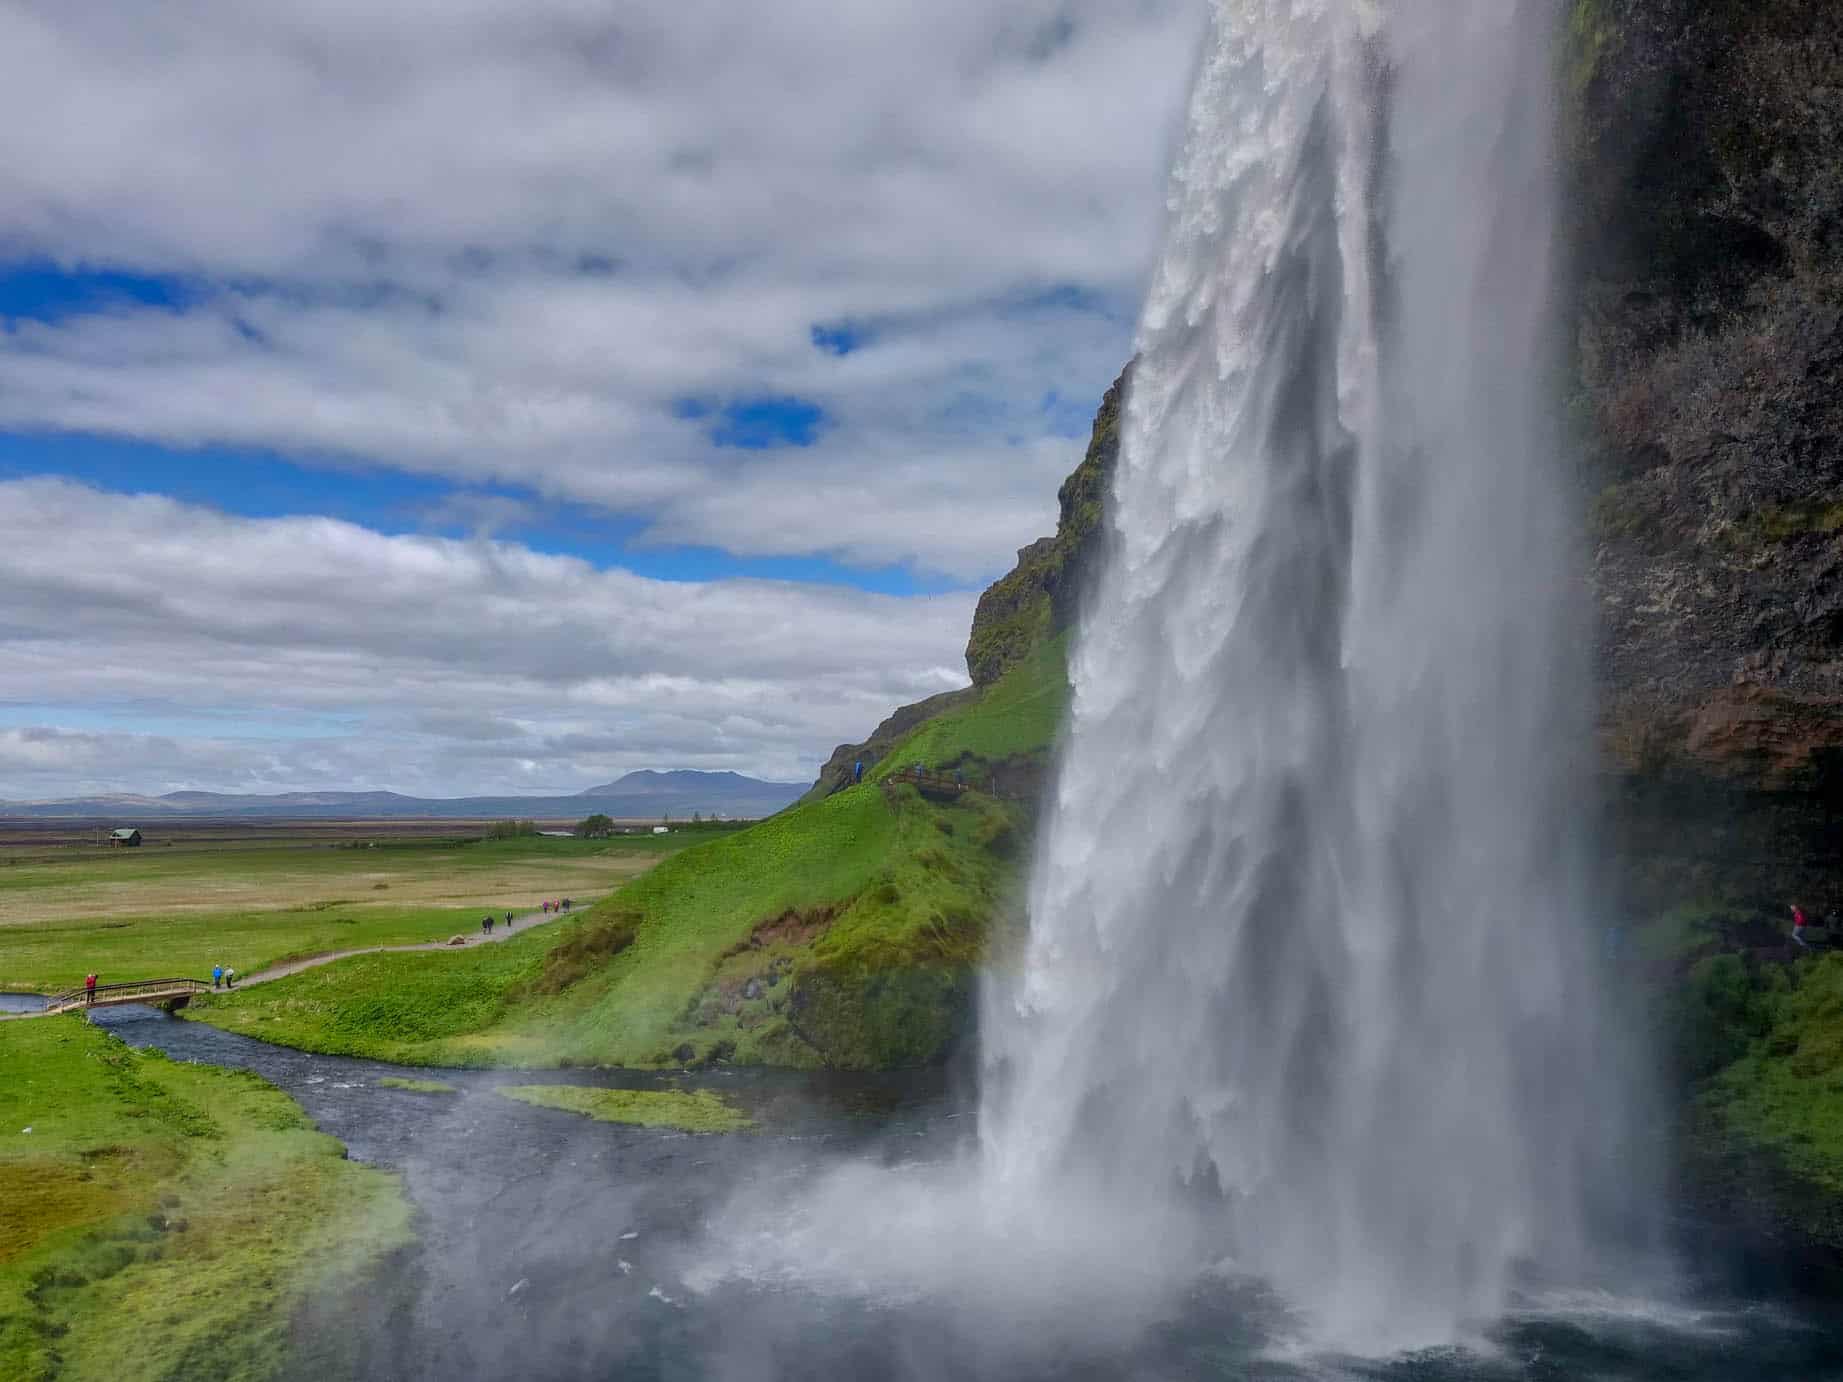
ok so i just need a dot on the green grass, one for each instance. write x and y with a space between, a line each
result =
699 1111
417 1086
48 956
843 932
1019 716
164 1220
406 1007
138 914
865 885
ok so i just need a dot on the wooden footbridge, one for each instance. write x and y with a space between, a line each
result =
166 993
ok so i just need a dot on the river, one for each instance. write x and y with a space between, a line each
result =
553 1247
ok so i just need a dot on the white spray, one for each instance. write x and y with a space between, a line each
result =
1309 936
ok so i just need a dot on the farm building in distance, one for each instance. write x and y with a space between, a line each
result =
125 837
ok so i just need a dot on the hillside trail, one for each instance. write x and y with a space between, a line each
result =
499 933
282 971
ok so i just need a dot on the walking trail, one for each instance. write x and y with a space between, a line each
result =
499 933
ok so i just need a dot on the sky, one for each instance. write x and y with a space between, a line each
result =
496 396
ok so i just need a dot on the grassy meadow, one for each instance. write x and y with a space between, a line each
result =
153 911
843 932
162 1220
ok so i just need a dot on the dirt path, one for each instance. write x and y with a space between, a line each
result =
282 971
500 933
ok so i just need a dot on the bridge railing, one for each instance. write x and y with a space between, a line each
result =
136 989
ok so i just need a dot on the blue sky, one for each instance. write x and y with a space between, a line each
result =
697 311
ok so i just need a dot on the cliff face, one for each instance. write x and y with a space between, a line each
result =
1040 597
1024 610
1705 139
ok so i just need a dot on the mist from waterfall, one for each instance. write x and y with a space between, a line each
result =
1311 966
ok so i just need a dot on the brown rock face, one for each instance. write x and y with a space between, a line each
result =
1745 737
1765 740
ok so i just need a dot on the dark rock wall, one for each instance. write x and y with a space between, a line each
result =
1705 146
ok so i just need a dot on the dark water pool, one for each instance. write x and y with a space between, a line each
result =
21 1002
558 1248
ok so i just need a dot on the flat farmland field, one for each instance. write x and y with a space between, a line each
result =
248 897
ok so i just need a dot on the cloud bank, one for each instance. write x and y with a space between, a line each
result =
301 652
822 283
544 243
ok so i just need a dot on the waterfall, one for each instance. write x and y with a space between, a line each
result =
1310 962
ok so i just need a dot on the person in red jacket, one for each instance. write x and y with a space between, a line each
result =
89 988
1798 926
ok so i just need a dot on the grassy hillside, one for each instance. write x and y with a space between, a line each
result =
163 1220
843 932
1014 721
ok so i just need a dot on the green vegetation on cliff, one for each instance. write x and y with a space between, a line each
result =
164 1220
1763 1040
1753 1027
1041 596
1013 722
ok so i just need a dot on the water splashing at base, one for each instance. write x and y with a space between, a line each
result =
1309 952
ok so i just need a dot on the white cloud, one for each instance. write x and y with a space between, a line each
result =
496 241
342 657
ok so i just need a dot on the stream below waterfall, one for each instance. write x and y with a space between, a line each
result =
553 1247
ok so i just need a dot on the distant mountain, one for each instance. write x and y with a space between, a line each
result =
641 795
647 783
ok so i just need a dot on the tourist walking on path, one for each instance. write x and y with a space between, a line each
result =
857 771
89 988
508 921
1798 926
217 976
230 978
